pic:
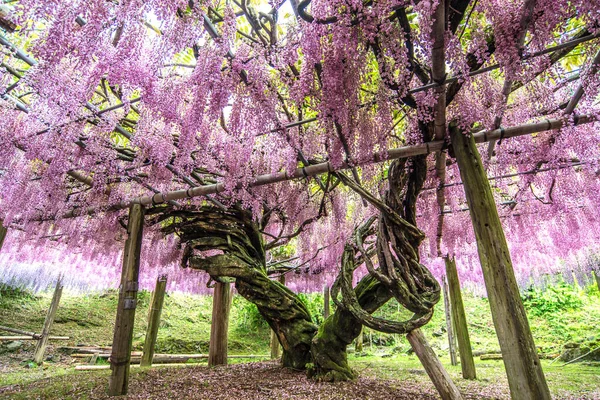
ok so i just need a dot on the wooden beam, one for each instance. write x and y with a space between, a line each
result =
325 167
523 369
3 232
326 308
156 305
449 329
217 349
459 318
438 375
121 347
40 349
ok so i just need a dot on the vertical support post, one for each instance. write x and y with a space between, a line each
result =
40 349
467 364
217 349
275 345
438 375
526 379
3 232
120 356
597 278
358 347
449 329
326 309
156 305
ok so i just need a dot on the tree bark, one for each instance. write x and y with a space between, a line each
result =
449 328
217 351
597 278
42 343
524 371
467 363
274 346
330 360
121 348
359 341
156 306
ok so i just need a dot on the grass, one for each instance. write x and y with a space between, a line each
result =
567 314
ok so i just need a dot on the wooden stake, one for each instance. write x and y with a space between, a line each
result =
40 349
121 348
274 346
358 347
438 375
449 329
156 305
217 349
326 309
523 369
44 336
3 232
467 363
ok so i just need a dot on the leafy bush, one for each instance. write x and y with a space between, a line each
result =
553 299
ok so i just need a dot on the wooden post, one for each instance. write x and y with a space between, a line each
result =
358 347
523 369
40 349
274 346
326 309
438 375
156 306
467 364
449 329
120 357
274 339
217 349
597 278
3 232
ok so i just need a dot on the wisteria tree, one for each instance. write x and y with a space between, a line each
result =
323 137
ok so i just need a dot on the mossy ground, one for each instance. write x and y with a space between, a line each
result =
185 328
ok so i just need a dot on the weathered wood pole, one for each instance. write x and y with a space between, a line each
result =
217 349
120 356
523 369
3 232
326 308
358 347
156 305
449 329
40 349
467 364
438 375
275 345
597 278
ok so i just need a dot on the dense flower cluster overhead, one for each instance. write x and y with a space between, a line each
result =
102 102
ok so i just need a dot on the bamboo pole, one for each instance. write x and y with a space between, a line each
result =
156 306
121 347
523 369
40 349
449 329
217 351
325 167
438 375
459 318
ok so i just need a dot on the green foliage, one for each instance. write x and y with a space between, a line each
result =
557 298
315 304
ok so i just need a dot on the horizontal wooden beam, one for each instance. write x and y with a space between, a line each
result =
321 168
